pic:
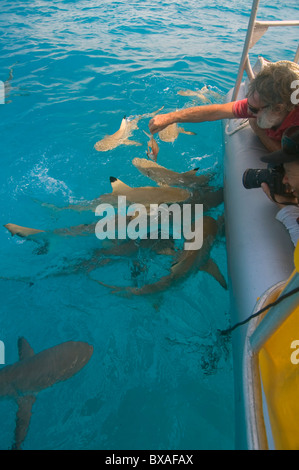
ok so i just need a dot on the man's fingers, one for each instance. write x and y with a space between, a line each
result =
158 123
266 190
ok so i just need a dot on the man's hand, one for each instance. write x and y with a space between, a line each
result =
280 201
159 122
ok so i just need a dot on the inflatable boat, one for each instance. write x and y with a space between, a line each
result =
263 280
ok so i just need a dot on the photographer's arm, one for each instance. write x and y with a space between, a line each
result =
288 215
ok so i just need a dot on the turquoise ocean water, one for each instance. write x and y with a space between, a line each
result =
158 377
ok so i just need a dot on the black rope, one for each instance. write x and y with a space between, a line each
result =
256 314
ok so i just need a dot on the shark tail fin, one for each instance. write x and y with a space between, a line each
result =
211 268
23 420
123 291
25 403
118 185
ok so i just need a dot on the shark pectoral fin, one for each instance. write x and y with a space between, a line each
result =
23 420
211 268
124 291
156 112
183 131
24 349
150 115
131 142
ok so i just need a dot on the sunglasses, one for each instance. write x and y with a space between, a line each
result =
254 110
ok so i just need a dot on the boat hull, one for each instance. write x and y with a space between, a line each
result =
259 249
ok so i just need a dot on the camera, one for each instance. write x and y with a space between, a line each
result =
273 176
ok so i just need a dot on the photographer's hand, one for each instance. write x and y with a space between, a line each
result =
280 201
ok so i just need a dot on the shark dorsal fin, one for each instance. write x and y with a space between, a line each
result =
118 185
24 349
191 172
123 123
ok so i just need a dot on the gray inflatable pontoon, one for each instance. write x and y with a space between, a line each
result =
259 248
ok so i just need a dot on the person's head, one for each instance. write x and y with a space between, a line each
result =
269 93
288 156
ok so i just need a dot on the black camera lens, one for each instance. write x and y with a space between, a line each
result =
273 176
253 178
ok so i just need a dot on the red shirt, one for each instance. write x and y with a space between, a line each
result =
240 110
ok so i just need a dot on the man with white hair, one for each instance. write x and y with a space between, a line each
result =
268 105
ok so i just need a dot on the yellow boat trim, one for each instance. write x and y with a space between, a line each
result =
279 367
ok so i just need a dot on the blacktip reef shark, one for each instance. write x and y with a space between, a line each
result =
44 237
171 132
188 261
140 195
36 372
145 195
122 136
205 94
202 193
165 177
27 232
117 248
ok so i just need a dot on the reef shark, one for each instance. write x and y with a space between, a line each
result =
36 372
202 193
144 195
122 136
165 177
205 94
188 261
27 232
139 195
171 132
